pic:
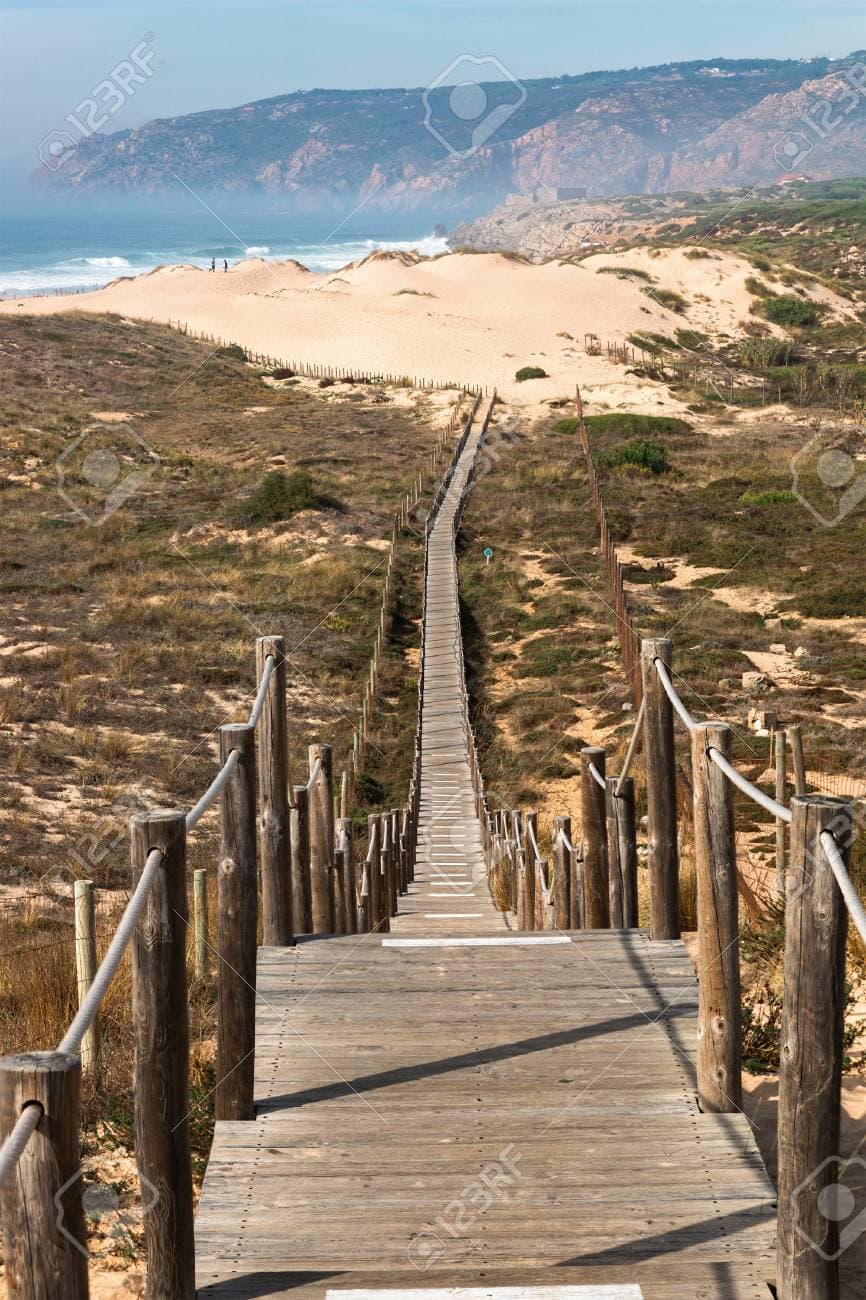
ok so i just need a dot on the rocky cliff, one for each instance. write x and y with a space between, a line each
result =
652 130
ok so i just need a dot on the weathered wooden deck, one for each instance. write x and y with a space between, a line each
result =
459 1106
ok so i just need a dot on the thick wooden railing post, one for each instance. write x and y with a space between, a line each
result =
161 1077
378 904
364 916
626 821
596 886
562 872
238 924
44 1241
199 896
616 892
346 867
660 763
273 771
577 900
812 1181
719 1027
321 807
299 827
516 835
85 966
530 821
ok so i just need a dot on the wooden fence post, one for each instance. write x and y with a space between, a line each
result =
238 925
378 905
44 1257
364 922
161 1025
719 1028
85 966
795 735
273 772
530 820
321 809
780 742
595 858
614 866
660 763
346 867
199 894
811 1175
626 823
299 826
562 872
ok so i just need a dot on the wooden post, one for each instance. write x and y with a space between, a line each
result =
321 807
811 1175
346 866
595 857
238 924
160 1083
396 870
273 771
85 966
530 820
719 1028
44 1242
344 793
199 894
377 904
562 873
660 763
540 893
615 873
299 826
781 836
364 922
577 912
626 824
795 735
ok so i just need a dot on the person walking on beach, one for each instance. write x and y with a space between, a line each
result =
225 266
213 264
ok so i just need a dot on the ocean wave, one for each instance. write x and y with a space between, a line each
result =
256 250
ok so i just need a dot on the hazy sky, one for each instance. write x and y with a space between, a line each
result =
213 53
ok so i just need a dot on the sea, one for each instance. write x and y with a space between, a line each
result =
78 246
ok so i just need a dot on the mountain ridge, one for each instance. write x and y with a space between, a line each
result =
643 130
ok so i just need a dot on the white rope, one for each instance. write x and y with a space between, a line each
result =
632 748
196 813
670 692
13 1148
778 810
259 702
71 1040
843 880
562 838
534 842
596 775
315 773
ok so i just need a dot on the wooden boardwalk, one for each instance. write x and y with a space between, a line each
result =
459 1106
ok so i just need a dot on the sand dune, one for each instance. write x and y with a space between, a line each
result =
474 318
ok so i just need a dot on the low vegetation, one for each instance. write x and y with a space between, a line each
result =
530 372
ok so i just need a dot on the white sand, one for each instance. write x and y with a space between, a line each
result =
469 318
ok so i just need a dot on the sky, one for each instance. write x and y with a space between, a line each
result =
212 53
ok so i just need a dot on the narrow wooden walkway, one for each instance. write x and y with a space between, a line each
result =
457 1106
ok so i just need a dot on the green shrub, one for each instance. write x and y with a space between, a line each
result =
637 426
233 352
530 372
760 354
788 309
771 497
696 254
640 454
757 288
625 273
668 298
279 496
